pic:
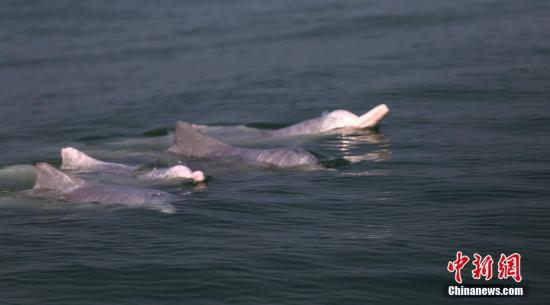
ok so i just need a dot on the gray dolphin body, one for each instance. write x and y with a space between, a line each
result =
189 142
74 159
54 184
337 120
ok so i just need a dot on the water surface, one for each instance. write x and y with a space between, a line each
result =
461 163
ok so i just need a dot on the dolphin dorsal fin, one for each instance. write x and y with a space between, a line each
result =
190 142
72 158
50 178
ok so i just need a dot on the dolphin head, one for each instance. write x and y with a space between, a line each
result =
182 171
198 176
373 116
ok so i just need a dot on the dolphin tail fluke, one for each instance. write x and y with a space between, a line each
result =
373 117
191 143
50 178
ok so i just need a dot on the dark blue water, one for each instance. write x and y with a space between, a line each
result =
461 163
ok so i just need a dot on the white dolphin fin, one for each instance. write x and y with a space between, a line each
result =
373 117
191 143
49 178
73 158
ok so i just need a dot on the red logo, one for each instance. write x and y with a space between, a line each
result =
457 265
508 266
482 267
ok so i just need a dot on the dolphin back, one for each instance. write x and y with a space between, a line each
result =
54 184
123 195
278 157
